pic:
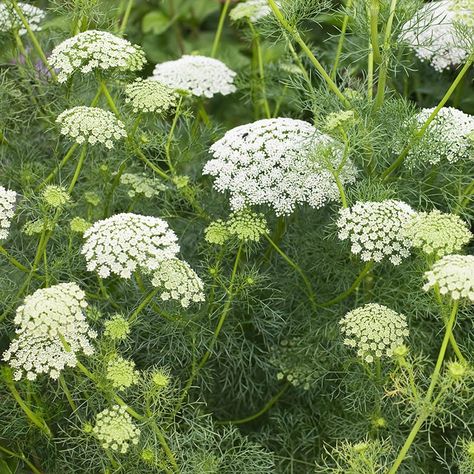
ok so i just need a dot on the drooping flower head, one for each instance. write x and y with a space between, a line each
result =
122 373
252 10
374 330
150 96
9 19
454 275
95 50
199 75
7 210
125 242
91 125
271 162
375 230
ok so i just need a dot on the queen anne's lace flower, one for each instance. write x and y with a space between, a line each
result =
7 210
125 242
252 10
375 229
150 96
115 429
92 50
9 19
117 328
91 125
141 184
374 330
55 196
454 274
178 281
199 75
247 225
121 373
52 329
270 162
437 233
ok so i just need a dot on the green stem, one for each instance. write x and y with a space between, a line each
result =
13 260
126 17
374 10
22 457
142 305
56 170
340 43
66 391
370 73
80 163
169 141
115 183
465 197
220 26
108 97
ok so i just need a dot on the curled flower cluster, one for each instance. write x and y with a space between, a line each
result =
91 125
125 242
93 50
178 282
454 275
9 19
437 233
447 137
247 225
52 329
55 196
121 373
252 10
117 328
150 96
7 209
115 429
374 330
270 162
217 232
199 75
375 230
141 184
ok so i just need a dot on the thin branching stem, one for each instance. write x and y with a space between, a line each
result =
220 27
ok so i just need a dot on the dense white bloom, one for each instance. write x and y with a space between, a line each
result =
115 429
247 225
52 329
454 274
374 330
252 10
125 242
375 229
272 162
142 184
91 125
437 233
178 281
92 50
121 373
199 75
7 210
9 19
150 96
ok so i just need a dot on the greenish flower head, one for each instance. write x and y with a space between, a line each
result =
36 227
148 456
181 181
400 351
55 196
337 120
150 95
457 370
92 198
79 225
160 379
217 233
121 373
117 328
247 225
142 185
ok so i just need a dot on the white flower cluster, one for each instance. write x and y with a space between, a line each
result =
199 75
433 35
375 230
272 162
142 184
150 96
437 233
454 274
52 329
91 125
92 50
179 282
125 242
252 10
447 137
9 19
374 330
7 209
115 429
121 373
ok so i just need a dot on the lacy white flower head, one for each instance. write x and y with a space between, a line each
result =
7 210
433 35
375 230
142 184
447 137
252 10
374 330
454 275
122 373
125 242
91 125
269 162
150 96
178 281
199 75
52 329
115 429
9 19
247 225
437 233
95 50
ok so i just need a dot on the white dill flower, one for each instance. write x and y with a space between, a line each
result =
125 242
7 210
199 75
121 373
52 330
91 125
217 232
270 162
142 185
437 233
9 19
115 429
95 50
117 328
375 230
454 275
252 10
178 281
247 225
150 96
55 196
374 330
